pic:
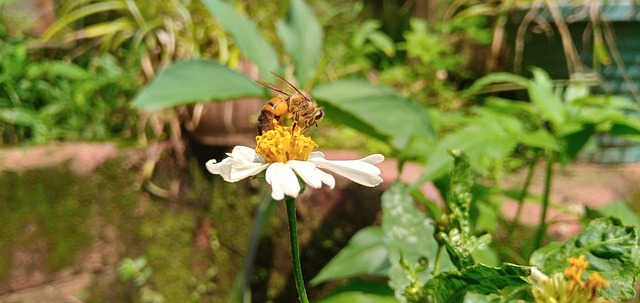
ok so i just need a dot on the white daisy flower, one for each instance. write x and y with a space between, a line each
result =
284 155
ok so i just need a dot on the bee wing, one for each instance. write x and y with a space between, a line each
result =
273 87
291 86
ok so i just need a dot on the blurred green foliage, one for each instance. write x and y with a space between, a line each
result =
43 100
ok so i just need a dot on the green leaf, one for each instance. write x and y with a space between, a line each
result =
618 209
364 254
61 69
19 116
452 287
481 84
611 250
457 236
383 42
194 81
361 291
363 31
84 11
301 35
376 109
407 234
575 141
545 99
247 36
540 138
487 138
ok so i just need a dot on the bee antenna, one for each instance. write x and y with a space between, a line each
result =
290 85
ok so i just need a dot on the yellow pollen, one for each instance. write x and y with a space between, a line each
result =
281 145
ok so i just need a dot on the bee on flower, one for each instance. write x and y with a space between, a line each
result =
286 154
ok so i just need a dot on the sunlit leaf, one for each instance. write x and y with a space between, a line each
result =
363 31
408 234
376 110
452 287
51 69
545 99
106 28
611 249
193 81
365 254
301 35
486 139
540 138
66 19
516 82
19 116
618 209
457 237
383 42
247 36
360 291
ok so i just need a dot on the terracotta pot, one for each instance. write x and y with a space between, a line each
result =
224 124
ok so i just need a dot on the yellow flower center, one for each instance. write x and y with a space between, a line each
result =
281 145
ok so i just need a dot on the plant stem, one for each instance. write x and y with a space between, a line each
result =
523 195
542 228
436 266
295 249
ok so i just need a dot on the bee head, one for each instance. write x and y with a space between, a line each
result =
318 116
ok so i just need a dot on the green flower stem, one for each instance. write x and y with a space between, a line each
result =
295 249
542 228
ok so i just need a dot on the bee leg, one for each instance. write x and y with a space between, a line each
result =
296 118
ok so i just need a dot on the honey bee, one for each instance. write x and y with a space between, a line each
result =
295 105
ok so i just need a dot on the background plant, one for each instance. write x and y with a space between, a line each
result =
153 32
443 260
44 100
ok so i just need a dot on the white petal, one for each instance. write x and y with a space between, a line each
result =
223 168
282 180
242 162
327 179
310 174
233 170
240 171
360 171
245 153
316 154
373 159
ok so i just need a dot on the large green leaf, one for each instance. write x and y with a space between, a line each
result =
376 109
611 249
247 37
301 35
365 254
193 81
452 287
360 291
408 235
